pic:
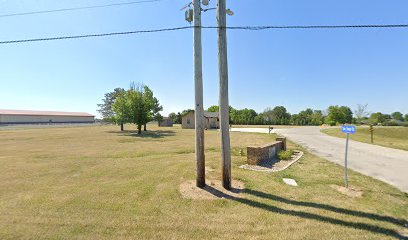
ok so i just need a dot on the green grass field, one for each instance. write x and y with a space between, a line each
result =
392 137
264 126
99 183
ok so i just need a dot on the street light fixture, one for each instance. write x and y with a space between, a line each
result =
229 12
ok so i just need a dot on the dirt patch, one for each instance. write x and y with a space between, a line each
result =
213 190
350 191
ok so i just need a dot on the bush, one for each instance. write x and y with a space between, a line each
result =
331 123
394 123
285 155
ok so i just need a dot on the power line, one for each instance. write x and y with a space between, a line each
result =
257 28
249 28
77 8
94 35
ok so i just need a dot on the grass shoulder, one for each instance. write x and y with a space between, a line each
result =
392 137
100 183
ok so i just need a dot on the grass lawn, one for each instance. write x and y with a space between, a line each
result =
263 126
392 137
99 183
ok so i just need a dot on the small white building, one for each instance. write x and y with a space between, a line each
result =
211 120
37 117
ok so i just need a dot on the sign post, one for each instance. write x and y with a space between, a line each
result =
347 130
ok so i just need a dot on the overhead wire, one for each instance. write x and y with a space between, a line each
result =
77 8
249 28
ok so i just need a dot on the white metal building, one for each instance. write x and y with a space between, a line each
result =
34 117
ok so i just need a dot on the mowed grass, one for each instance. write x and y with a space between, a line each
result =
99 183
264 126
392 137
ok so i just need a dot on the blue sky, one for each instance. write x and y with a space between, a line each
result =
294 68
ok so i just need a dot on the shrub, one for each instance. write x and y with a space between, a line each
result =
285 155
394 123
331 123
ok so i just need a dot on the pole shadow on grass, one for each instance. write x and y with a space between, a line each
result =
327 207
313 216
145 134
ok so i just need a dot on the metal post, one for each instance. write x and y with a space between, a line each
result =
345 162
198 86
224 104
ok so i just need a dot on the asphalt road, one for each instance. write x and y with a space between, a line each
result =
387 164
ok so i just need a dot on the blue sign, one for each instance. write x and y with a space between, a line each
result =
348 129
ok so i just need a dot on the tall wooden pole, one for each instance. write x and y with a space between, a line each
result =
198 85
223 101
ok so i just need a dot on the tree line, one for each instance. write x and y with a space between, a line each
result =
136 105
333 115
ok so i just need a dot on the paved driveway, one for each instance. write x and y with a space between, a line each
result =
386 164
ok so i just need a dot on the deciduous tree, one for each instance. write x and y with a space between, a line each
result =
397 116
361 112
277 115
120 108
339 115
378 118
106 108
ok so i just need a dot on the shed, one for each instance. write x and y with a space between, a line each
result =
166 122
211 120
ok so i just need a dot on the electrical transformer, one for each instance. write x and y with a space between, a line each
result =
189 15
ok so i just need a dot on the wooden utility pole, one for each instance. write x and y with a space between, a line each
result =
223 101
198 85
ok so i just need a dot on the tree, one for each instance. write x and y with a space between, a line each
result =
159 118
173 117
378 118
295 119
213 108
348 114
179 118
317 118
243 116
397 116
259 119
137 105
176 118
154 105
277 115
106 108
120 109
361 112
406 117
339 115
308 117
